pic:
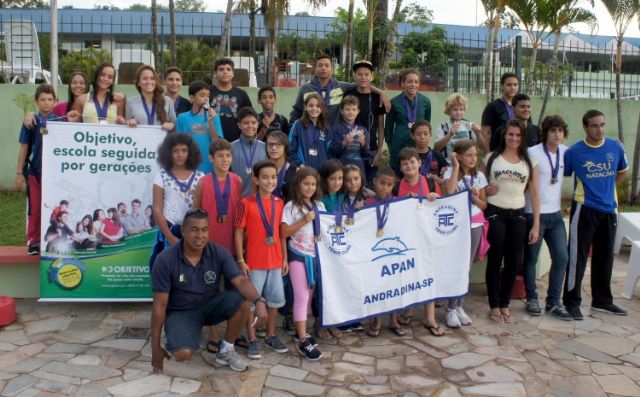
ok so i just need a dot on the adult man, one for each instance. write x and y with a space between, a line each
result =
173 80
227 99
135 222
521 105
549 156
599 164
497 113
185 283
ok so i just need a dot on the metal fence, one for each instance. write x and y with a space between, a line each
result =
454 62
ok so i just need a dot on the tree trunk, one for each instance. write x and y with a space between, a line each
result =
349 44
532 69
226 30
271 55
550 77
252 31
154 33
380 21
172 22
618 93
633 196
488 63
496 31
389 43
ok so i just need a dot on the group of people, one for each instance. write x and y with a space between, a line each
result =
239 193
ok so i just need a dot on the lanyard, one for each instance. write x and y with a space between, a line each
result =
184 187
248 159
102 110
150 115
325 92
464 182
425 168
412 113
509 109
554 168
279 185
316 219
222 198
268 226
382 216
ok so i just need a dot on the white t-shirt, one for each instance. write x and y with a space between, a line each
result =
550 194
479 181
303 240
176 204
512 180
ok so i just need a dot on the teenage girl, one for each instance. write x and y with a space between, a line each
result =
309 136
151 107
78 85
101 105
278 150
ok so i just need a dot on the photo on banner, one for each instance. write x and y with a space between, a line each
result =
97 227
366 273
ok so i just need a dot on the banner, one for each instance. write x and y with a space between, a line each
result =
423 255
97 229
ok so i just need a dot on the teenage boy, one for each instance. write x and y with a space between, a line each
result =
173 81
201 122
497 113
247 150
598 164
227 99
550 158
265 259
135 222
269 120
329 89
432 163
521 105
29 168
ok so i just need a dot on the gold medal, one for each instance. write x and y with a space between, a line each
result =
420 205
247 170
379 233
338 229
44 131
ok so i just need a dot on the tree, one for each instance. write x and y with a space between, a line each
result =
226 30
349 42
172 24
138 7
428 50
273 12
23 4
416 15
190 5
388 44
338 31
372 15
508 20
493 9
252 8
154 33
85 61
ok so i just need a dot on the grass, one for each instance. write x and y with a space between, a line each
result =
13 219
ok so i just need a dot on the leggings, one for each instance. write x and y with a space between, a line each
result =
301 290
476 235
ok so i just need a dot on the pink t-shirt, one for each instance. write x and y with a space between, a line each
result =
60 109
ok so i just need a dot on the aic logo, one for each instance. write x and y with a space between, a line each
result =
446 217
336 241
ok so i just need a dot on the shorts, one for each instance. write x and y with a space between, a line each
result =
270 285
183 327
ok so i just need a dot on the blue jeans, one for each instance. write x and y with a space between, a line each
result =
554 233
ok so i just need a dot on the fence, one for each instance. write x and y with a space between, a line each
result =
452 60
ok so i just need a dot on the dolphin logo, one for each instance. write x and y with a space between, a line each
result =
390 246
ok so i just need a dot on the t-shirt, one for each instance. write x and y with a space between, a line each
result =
242 160
370 109
226 105
135 221
221 232
197 126
512 181
464 132
181 105
176 203
302 241
189 285
479 181
258 254
135 110
549 193
33 137
403 188
595 169
110 228
496 114
279 123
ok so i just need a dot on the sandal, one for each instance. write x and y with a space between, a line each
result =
405 319
496 317
335 332
435 330
323 333
213 346
507 317
373 331
241 342
398 330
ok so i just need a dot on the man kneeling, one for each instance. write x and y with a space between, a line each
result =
185 283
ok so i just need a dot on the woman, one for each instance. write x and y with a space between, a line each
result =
510 173
99 106
111 231
78 85
84 237
151 107
148 212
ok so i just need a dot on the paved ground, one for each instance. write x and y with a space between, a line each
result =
71 349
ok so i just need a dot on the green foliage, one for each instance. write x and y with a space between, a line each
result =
24 102
427 50
84 61
12 208
195 58
293 47
23 4
338 32
508 20
190 5
416 15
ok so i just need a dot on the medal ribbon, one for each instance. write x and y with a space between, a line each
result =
421 195
278 189
351 206
467 186
316 220
554 168
184 187
509 109
411 112
337 213
150 115
311 134
382 215
425 168
325 92
175 104
102 110
222 198
248 160
42 122
268 227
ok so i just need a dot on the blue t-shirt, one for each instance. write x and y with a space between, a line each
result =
197 125
189 285
32 136
595 169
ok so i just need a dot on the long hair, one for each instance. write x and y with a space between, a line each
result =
461 148
553 120
323 120
165 157
282 139
70 96
115 216
522 148
158 92
360 194
89 227
96 214
96 77
294 190
327 169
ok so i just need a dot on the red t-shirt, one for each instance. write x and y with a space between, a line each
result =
404 188
258 254
221 232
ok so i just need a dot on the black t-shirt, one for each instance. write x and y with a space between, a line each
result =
370 109
495 115
182 105
279 123
226 104
533 134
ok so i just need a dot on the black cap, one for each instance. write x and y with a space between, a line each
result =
362 63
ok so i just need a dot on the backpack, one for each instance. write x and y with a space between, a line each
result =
445 128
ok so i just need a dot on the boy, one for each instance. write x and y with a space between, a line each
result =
29 168
257 221
432 163
201 122
350 140
456 128
247 150
227 99
62 206
521 104
173 80
497 113
269 120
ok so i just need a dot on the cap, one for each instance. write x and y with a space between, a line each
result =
362 63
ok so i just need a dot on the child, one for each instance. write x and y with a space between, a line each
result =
151 107
406 109
349 140
29 168
201 122
247 150
456 128
278 150
62 206
354 192
309 136
174 188
432 162
173 81
257 222
464 175
301 223
269 120
226 99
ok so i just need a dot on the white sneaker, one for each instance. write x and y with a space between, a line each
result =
451 319
463 317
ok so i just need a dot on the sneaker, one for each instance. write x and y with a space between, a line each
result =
452 320
610 308
312 339
558 312
574 312
533 307
261 333
253 350
232 359
276 344
463 316
288 325
308 350
34 249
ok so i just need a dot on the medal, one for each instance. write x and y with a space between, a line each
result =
412 111
554 168
554 181
184 187
420 205
268 226
337 213
311 136
409 124
222 197
269 240
349 221
425 167
44 131
222 218
351 209
313 152
379 233
382 215
151 115
248 159
338 229
43 125
247 171
278 189
101 111
316 220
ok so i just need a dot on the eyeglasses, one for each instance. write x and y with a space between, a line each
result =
274 145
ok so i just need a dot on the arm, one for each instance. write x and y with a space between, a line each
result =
380 132
621 176
238 239
451 184
120 105
22 157
287 230
384 98
389 127
158 215
158 314
535 205
483 137
197 197
337 145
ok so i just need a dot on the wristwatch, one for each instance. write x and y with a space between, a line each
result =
259 299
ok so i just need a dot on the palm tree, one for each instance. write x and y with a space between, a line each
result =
371 19
622 12
154 33
388 44
349 44
172 23
226 30
563 13
493 9
250 7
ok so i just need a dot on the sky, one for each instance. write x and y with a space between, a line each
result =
458 12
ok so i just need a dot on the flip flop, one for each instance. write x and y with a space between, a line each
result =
435 330
241 342
324 334
405 320
497 318
373 331
213 346
398 330
335 332
507 317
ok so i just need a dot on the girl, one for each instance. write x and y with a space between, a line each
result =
349 140
510 172
99 106
174 188
309 136
354 192
98 219
406 108
148 212
151 107
278 151
78 85
111 231
464 175
82 238
301 222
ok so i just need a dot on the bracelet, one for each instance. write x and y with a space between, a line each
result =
240 260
